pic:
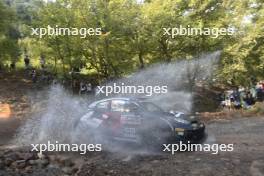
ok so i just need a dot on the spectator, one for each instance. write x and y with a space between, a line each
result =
253 92
13 66
54 81
249 100
42 61
34 75
259 93
27 61
236 99
89 88
82 88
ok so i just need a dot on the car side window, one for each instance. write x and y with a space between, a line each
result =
103 106
118 105
123 106
131 107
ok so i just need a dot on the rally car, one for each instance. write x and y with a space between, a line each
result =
139 121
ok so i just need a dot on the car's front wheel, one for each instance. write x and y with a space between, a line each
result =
154 140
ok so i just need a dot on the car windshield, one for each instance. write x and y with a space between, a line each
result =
151 107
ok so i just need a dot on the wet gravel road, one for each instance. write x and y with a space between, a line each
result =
247 135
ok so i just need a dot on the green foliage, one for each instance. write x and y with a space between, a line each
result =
8 34
132 34
243 60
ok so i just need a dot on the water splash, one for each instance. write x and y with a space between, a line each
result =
63 110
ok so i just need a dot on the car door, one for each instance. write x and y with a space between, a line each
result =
94 118
101 108
101 111
117 107
129 118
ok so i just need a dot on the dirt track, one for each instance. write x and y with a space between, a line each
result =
245 133
247 158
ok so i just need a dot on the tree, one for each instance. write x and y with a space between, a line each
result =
9 50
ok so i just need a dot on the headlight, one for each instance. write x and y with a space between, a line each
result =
194 125
180 133
182 121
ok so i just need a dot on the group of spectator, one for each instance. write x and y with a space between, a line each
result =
241 97
38 75
43 75
85 88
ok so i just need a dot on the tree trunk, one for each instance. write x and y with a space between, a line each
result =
141 60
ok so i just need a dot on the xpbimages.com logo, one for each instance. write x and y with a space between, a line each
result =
189 31
189 147
65 31
127 89
59 147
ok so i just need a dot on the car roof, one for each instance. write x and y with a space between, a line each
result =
135 99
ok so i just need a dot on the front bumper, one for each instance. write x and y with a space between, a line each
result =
193 135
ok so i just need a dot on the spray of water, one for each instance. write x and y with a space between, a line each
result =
56 122
63 110
179 77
